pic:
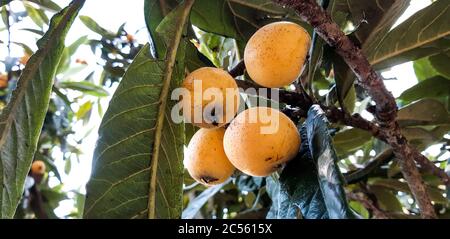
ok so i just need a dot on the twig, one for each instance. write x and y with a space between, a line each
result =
386 108
381 159
336 115
368 203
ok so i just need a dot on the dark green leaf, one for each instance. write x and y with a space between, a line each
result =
423 112
195 205
155 11
311 185
238 19
349 140
4 2
423 34
440 63
434 87
137 167
423 138
21 121
386 199
435 194
297 192
323 154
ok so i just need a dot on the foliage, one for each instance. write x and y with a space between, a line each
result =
137 167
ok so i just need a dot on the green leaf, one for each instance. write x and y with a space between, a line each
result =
64 64
47 4
95 27
21 121
194 59
137 167
423 138
155 11
84 109
423 34
84 86
297 192
76 44
434 87
386 199
350 140
238 19
37 32
311 185
424 69
360 209
196 204
440 63
379 17
34 14
4 2
324 155
423 112
435 194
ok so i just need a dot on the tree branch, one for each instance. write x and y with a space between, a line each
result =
386 108
381 159
368 203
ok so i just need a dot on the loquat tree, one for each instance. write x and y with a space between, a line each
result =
342 146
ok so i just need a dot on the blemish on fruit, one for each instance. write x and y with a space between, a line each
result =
208 179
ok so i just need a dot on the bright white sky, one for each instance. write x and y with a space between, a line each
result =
111 14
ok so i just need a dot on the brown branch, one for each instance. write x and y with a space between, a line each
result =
386 108
381 159
336 115
368 203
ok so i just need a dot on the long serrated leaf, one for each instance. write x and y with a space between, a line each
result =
137 168
423 34
21 121
297 191
311 185
324 156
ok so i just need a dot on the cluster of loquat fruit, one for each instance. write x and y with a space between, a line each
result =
274 57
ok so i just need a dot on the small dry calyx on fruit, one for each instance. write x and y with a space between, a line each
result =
259 140
275 54
213 97
206 161
38 167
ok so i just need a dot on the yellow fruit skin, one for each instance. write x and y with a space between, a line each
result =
257 153
275 54
211 78
38 167
206 161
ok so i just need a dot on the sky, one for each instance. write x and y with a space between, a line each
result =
113 13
